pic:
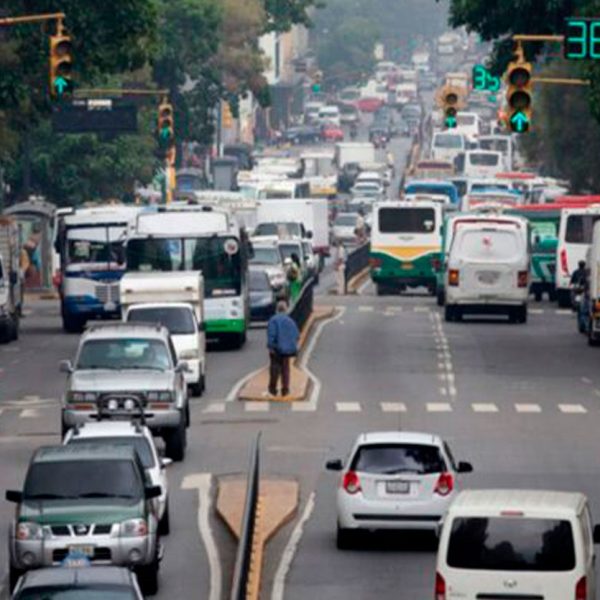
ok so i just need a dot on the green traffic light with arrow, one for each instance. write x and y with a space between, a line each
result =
519 122
61 85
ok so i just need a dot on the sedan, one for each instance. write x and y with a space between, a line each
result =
369 105
395 480
263 299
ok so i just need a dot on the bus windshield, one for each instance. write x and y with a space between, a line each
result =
95 245
219 259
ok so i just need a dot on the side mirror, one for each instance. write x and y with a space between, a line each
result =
309 235
182 367
14 496
202 326
596 536
152 492
465 467
334 465
165 462
65 366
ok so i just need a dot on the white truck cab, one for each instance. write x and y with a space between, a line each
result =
176 301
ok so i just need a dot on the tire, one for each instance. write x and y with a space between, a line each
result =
73 324
592 341
148 577
449 313
522 315
176 441
164 525
344 538
13 577
564 298
197 388
458 314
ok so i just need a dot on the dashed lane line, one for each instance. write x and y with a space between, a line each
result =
438 407
393 407
348 407
572 409
528 408
257 406
483 407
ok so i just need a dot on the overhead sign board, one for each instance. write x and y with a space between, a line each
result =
95 115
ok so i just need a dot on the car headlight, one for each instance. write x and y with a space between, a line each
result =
160 396
82 397
133 528
29 530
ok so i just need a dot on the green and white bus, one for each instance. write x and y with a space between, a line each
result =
199 238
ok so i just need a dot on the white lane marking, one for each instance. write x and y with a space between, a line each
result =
235 390
303 407
438 407
347 407
203 482
421 309
393 407
366 309
257 406
572 409
528 408
393 309
303 362
483 407
536 311
215 407
29 413
563 311
290 550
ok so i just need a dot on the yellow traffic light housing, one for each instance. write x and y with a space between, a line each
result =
451 101
61 64
166 124
519 94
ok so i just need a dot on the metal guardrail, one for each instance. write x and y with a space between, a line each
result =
356 261
303 306
243 557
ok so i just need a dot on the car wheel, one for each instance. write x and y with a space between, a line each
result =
164 525
564 298
73 324
148 577
176 441
196 389
592 339
522 314
344 539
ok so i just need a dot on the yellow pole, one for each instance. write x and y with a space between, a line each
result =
31 18
538 38
560 81
129 92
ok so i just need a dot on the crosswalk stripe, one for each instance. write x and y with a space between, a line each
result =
29 413
257 406
347 406
572 409
439 407
393 407
528 408
536 311
366 309
563 311
215 407
423 309
304 407
483 407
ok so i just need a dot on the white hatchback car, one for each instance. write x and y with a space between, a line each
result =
395 480
134 434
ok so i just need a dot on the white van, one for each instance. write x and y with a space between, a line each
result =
488 270
330 114
480 163
469 124
517 544
499 143
447 145
574 239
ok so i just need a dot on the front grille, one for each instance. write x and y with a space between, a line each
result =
60 530
80 529
102 529
107 292
99 554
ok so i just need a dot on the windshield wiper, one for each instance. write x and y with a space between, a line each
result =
96 368
103 495
47 497
143 368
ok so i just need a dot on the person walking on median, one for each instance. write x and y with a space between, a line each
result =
282 341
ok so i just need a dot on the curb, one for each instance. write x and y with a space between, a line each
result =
356 281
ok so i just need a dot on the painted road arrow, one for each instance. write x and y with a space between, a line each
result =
519 122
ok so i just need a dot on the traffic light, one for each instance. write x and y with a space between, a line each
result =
317 80
61 65
450 104
166 124
519 94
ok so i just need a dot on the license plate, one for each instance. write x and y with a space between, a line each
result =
407 266
397 487
85 550
110 306
488 278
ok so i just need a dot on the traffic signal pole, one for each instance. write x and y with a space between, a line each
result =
33 19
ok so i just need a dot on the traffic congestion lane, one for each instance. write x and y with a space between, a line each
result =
509 443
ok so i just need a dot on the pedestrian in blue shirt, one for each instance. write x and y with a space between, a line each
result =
282 341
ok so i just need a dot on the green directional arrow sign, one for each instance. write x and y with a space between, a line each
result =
165 133
61 85
450 122
519 122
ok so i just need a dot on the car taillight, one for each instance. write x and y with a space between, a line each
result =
444 485
351 482
581 589
453 277
564 264
375 263
436 264
440 587
522 279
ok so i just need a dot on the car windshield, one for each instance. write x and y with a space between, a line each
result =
448 141
288 249
511 544
81 592
265 256
259 282
70 479
345 220
390 459
406 220
138 442
281 230
124 353
179 320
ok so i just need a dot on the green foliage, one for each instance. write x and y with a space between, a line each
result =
283 14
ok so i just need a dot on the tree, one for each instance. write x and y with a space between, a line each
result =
283 14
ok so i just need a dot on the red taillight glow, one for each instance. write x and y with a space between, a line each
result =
453 277
440 587
444 485
581 589
375 263
564 264
351 482
523 279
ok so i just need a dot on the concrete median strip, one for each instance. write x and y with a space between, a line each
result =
255 387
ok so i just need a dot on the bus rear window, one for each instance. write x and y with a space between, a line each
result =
406 220
484 160
580 228
511 544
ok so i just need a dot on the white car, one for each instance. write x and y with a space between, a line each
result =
130 433
368 188
344 227
395 480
